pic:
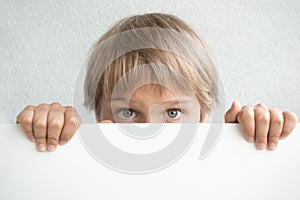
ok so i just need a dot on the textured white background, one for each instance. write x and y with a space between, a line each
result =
44 44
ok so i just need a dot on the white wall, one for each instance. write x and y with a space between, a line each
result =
44 44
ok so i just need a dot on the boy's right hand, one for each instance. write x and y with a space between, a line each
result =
49 124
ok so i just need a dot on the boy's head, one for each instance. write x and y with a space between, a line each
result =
150 68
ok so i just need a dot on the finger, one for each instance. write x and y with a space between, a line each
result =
290 122
40 126
247 122
55 126
25 119
262 123
231 114
57 105
275 129
72 123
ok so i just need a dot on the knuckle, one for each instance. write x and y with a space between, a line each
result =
55 104
43 106
52 140
72 120
29 107
276 116
284 134
40 139
248 133
261 105
277 120
260 139
29 133
55 124
66 137
247 107
263 118
69 107
25 121
247 113
273 137
40 124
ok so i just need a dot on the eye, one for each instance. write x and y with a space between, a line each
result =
126 113
173 113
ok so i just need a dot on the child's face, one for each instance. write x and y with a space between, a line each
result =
147 105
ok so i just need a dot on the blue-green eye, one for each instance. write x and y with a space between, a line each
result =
126 113
173 113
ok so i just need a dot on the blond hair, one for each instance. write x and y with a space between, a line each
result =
148 40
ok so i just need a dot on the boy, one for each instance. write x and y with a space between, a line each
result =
151 85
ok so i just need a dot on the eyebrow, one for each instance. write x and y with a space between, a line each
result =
183 101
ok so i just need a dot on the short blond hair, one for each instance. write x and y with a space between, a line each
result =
106 67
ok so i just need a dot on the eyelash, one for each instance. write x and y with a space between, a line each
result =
176 109
118 111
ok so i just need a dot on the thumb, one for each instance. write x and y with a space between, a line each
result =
231 114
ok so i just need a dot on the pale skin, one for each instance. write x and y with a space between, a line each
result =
50 125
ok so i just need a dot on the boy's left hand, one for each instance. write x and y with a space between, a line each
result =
260 124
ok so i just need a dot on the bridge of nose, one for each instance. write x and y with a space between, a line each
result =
154 114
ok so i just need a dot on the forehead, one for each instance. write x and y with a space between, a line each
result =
150 94
124 77
152 91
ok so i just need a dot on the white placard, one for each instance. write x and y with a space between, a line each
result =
234 170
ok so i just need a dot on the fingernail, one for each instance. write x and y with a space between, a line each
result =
50 147
41 147
32 139
272 146
62 142
250 139
261 146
